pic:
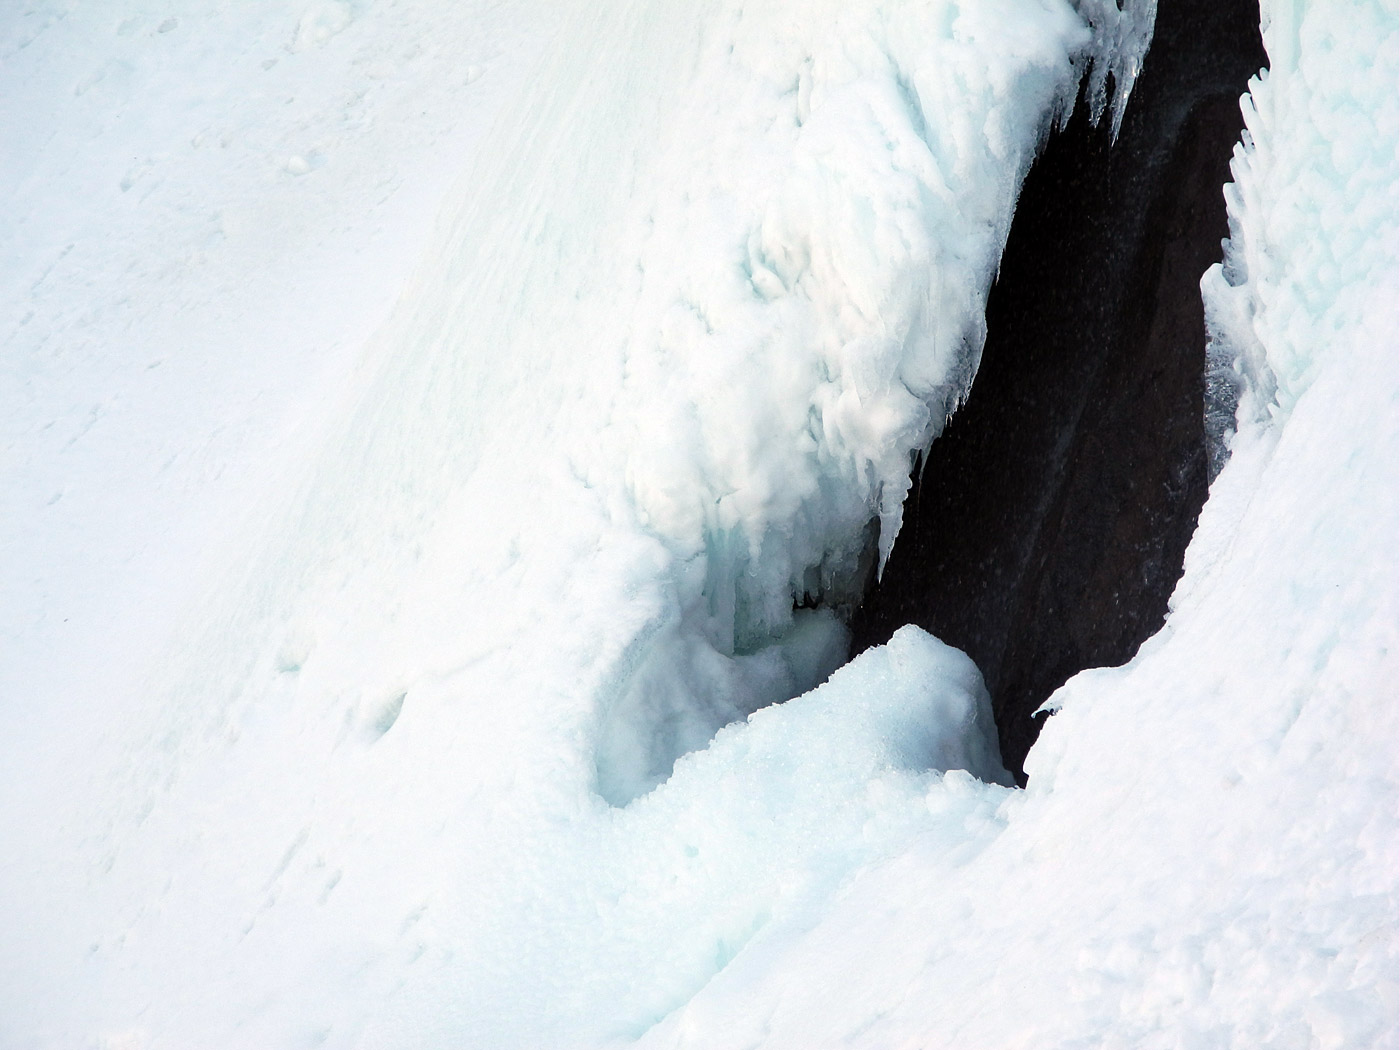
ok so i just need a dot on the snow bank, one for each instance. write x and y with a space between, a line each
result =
426 765
756 830
599 487
1206 854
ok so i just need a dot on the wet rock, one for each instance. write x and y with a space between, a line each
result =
1048 527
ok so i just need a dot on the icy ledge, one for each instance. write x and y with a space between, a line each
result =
766 822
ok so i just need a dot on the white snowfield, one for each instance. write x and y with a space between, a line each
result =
396 608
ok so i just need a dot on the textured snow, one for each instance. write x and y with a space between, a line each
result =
1207 853
704 279
394 664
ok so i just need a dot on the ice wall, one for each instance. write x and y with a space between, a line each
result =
1206 853
813 242
1310 218
1047 526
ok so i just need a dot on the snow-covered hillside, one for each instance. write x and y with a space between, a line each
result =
436 436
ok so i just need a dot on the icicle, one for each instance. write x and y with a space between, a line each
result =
1122 35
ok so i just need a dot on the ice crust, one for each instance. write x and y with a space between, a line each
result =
465 737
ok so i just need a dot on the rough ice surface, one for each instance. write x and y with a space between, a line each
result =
392 649
1309 201
1207 851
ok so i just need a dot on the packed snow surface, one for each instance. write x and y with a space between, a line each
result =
399 606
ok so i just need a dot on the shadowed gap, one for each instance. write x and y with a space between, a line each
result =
1047 528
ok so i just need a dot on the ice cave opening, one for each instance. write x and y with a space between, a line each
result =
1045 531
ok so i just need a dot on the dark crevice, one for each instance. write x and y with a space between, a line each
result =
1046 529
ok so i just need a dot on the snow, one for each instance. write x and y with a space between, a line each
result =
1206 854
397 663
178 306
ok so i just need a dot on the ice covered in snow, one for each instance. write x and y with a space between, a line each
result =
420 686
1207 851
705 278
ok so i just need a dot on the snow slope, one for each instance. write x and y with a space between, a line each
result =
541 535
182 303
1206 854
384 722
209 212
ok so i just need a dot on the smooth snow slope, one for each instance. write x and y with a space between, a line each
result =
208 211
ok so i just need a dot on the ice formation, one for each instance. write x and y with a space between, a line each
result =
713 275
1206 854
429 762
1122 35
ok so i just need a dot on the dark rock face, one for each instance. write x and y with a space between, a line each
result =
1049 525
